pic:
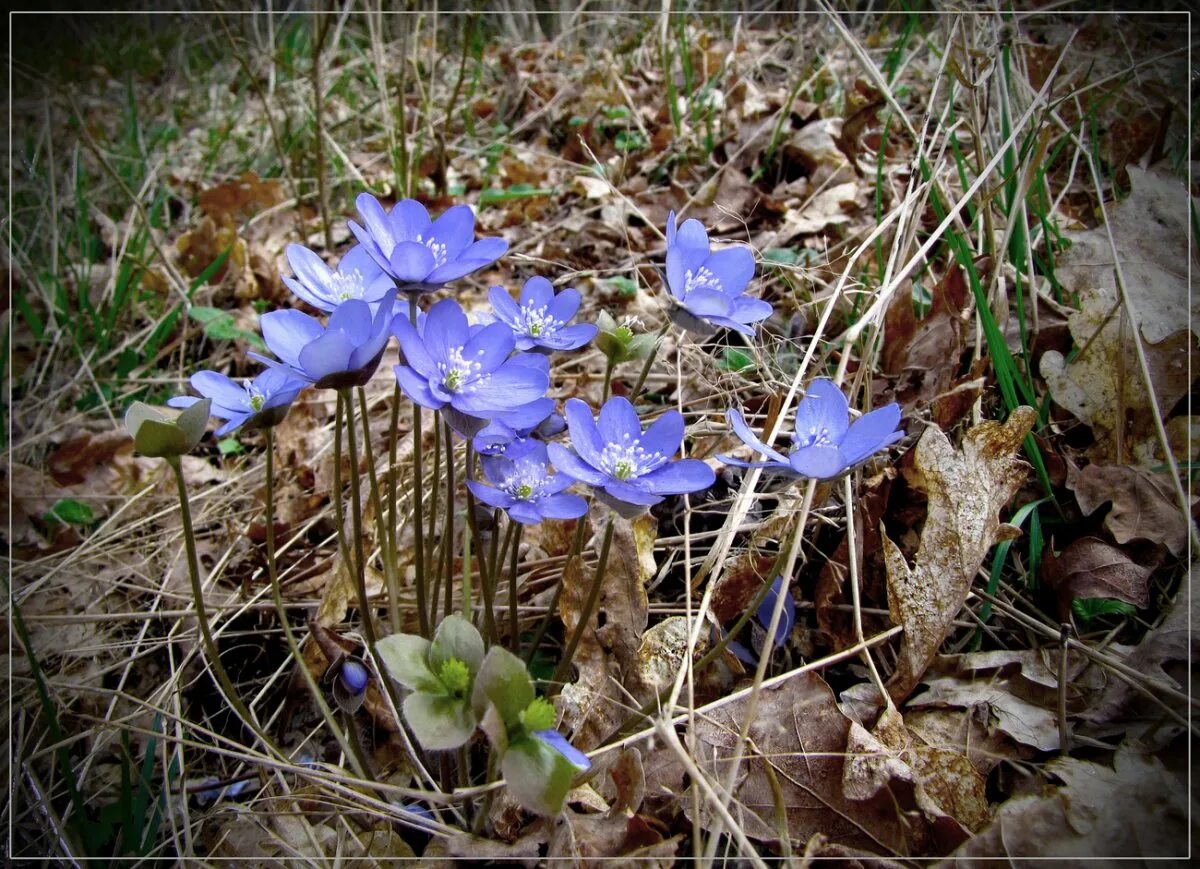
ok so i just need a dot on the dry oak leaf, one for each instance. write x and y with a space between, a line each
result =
1136 808
1143 504
1023 721
1089 568
967 490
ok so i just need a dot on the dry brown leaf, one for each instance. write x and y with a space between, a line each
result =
966 491
1089 567
799 737
963 733
1134 809
1143 504
1026 722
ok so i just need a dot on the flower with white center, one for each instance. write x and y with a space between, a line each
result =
419 253
261 402
526 488
826 444
710 286
357 276
539 320
465 373
629 469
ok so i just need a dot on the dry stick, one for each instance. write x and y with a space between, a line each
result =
852 553
388 551
322 30
1064 736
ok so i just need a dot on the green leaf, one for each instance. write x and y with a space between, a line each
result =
230 447
159 433
624 286
784 256
496 196
1088 608
220 326
406 658
439 722
71 512
629 140
456 638
503 680
735 360
538 776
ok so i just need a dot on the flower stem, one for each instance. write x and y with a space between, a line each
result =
448 529
650 357
431 532
381 530
351 752
360 559
486 574
608 372
576 547
564 664
211 652
418 502
469 538
515 531
393 473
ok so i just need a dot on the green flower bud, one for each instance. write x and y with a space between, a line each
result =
538 715
163 433
455 676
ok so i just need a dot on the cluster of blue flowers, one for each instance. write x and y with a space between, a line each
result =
489 380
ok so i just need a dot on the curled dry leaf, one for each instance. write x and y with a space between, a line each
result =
1143 504
966 491
1026 722
1089 567
1136 808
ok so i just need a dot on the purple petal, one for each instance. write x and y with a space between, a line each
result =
524 512
182 401
353 317
585 436
409 221
236 421
304 293
504 306
489 347
678 478
618 421
781 467
508 386
378 227
454 270
671 229
571 337
329 354
733 266
787 619
630 494
704 302
559 743
310 269
490 495
734 417
286 332
692 235
818 463
562 506
727 323
742 653
446 329
823 410
566 462
486 250
416 387
527 416
370 244
455 229
537 292
871 433
220 389
410 261
665 434
565 305
746 309
413 347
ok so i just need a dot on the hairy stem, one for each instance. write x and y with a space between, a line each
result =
576 548
381 531
418 501
564 664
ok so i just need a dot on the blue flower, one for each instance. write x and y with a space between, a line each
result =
559 743
710 286
825 444
419 253
350 684
626 466
539 322
357 276
451 367
345 352
526 488
511 433
787 621
262 402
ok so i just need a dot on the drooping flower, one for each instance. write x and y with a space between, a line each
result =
350 684
526 488
787 621
562 745
441 675
165 434
420 254
261 402
539 321
710 286
357 276
466 374
825 444
628 468
345 352
511 433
